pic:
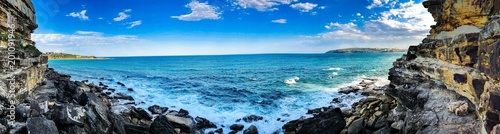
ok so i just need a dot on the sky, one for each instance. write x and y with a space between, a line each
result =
212 27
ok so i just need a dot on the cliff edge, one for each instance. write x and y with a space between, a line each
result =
449 83
23 66
456 69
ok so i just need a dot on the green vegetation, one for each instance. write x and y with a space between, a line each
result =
366 50
52 56
30 48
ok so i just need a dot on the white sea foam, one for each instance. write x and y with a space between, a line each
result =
291 81
333 69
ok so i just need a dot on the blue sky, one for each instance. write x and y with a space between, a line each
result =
190 27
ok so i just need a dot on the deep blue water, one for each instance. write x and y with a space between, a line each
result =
225 88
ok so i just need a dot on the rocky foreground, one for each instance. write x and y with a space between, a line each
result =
75 107
59 105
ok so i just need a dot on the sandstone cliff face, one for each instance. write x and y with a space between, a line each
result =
27 65
458 61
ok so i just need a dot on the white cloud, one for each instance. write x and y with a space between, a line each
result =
135 23
377 3
304 7
100 18
281 21
80 15
405 25
262 5
81 38
322 7
122 15
199 11
88 33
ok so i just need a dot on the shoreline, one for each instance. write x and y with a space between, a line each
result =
123 102
82 59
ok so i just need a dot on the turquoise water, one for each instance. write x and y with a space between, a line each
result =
225 88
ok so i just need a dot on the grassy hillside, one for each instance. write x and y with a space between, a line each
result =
69 56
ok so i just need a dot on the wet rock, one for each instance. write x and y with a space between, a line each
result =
140 114
123 96
348 90
161 125
317 110
398 125
335 100
251 130
185 124
130 89
121 84
202 123
155 109
236 127
328 122
183 113
39 125
219 131
357 126
252 118
96 111
136 129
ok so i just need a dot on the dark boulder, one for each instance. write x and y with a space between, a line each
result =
155 109
39 125
252 118
219 131
357 126
236 127
251 130
136 129
140 113
328 122
186 124
183 113
69 115
123 96
161 125
96 111
121 84
202 123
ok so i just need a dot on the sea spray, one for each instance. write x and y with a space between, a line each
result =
227 88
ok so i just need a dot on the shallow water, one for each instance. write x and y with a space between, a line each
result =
226 88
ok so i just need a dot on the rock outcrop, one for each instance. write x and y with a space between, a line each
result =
450 83
452 77
22 64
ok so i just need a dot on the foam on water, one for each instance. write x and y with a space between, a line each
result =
333 68
226 88
291 81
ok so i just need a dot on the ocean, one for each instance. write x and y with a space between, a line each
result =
229 87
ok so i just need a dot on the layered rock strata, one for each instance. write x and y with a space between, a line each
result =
447 84
22 65
454 73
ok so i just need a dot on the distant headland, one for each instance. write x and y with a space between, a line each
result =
65 56
366 50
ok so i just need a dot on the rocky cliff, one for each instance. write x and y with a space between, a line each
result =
455 70
449 83
23 67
